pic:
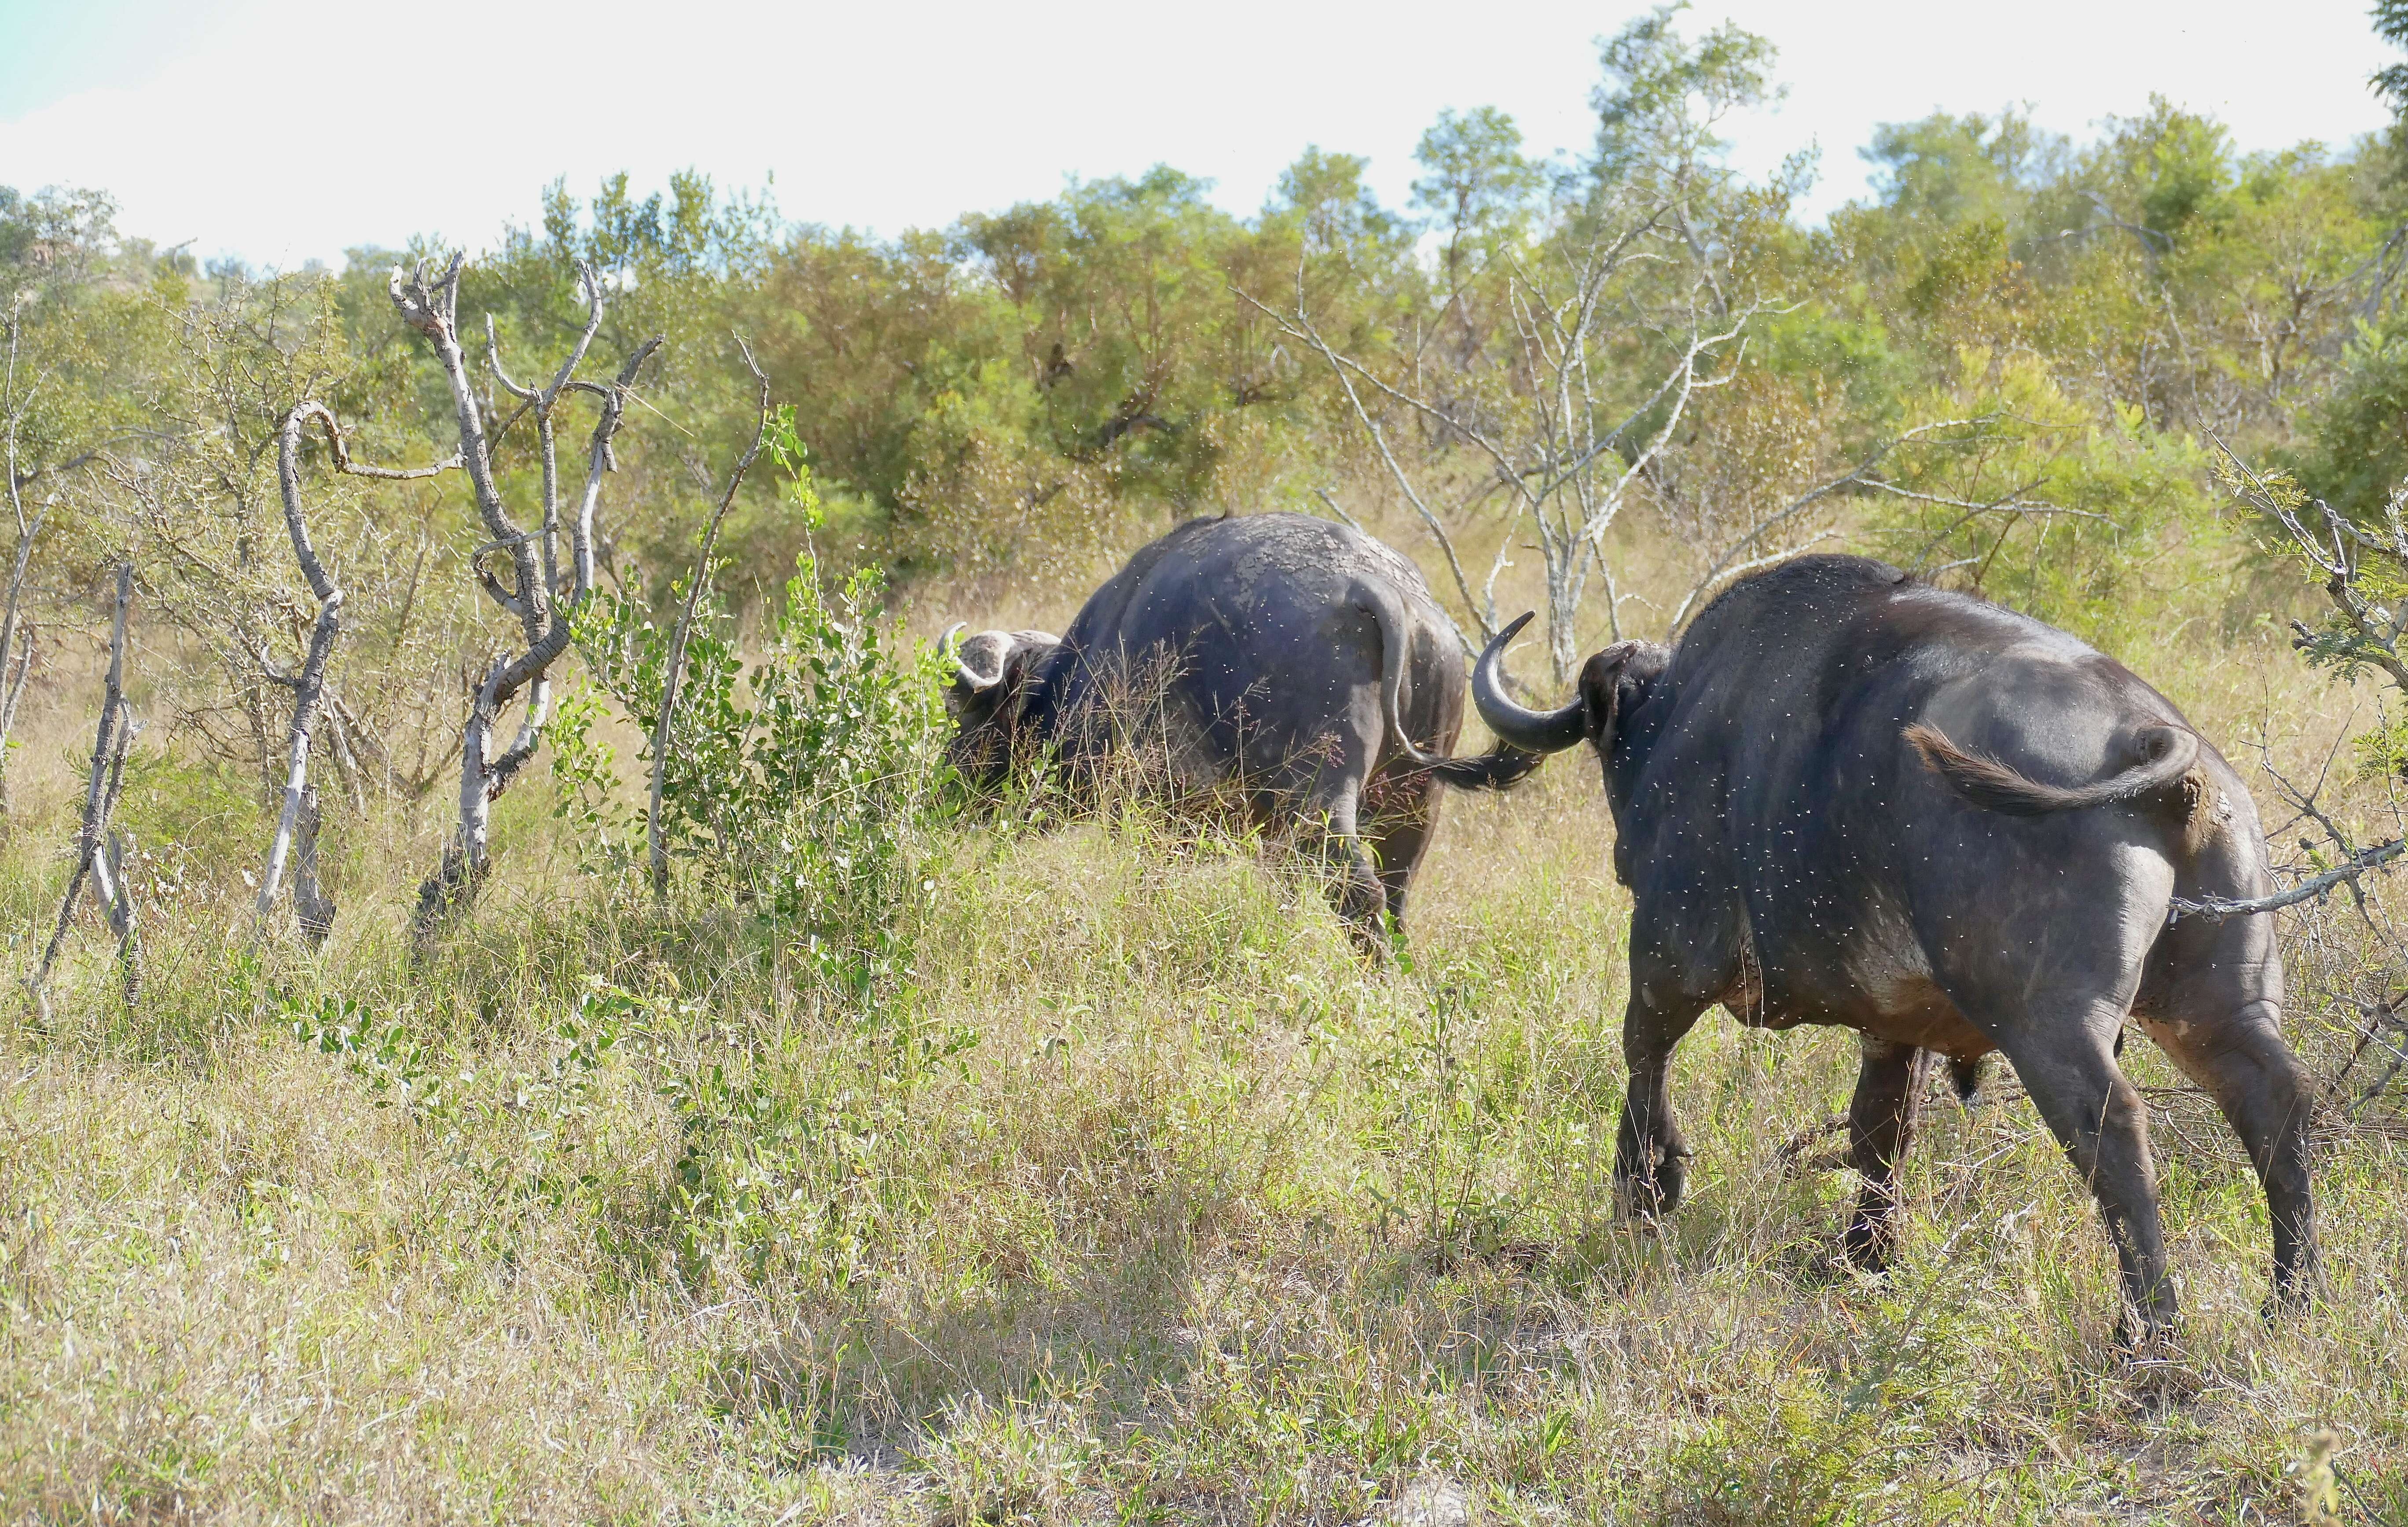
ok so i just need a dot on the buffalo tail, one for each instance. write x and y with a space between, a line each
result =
1496 771
1382 606
2168 754
1487 772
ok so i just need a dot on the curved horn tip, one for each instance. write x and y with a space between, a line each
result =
945 642
1516 727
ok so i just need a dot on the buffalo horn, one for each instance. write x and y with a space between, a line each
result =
976 681
1532 731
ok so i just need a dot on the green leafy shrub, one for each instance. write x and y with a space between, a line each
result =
796 785
2094 527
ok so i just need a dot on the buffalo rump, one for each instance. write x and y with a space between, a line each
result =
1849 798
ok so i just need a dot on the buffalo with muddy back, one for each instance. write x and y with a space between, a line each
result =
1295 665
1849 798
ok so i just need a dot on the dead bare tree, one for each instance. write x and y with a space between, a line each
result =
308 686
1570 477
1565 454
656 841
116 731
534 595
205 497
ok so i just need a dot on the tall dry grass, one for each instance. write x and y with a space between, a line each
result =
1136 1197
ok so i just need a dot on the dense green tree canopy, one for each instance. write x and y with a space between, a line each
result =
1032 388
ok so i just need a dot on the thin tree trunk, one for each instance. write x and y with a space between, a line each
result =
308 695
15 631
310 903
309 688
14 671
100 796
115 893
655 838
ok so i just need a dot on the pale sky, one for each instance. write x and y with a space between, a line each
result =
282 133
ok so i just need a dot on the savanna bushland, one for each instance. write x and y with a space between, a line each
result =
680 1102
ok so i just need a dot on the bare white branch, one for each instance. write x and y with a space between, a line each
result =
544 609
2217 908
116 734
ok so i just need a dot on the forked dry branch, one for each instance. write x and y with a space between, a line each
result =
1568 466
116 731
2362 634
1567 463
534 595
308 686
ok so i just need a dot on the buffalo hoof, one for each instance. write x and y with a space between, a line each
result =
1868 1244
1652 1194
2293 1297
1374 948
2159 1378
2147 1339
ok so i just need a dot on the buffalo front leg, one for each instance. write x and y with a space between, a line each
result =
2097 1116
1881 1119
1650 1158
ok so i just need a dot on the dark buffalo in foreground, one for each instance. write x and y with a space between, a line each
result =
1848 797
1295 665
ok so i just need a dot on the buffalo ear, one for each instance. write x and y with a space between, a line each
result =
1601 693
1023 658
1613 681
1015 667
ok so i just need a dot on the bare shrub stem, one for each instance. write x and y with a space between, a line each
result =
16 632
309 685
656 842
116 733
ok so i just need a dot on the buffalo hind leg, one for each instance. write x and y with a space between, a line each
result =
2096 1114
1355 889
1400 852
1356 892
2212 1001
1881 1119
2257 1083
1651 1157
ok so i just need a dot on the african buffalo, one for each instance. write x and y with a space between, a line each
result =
1849 798
1296 663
